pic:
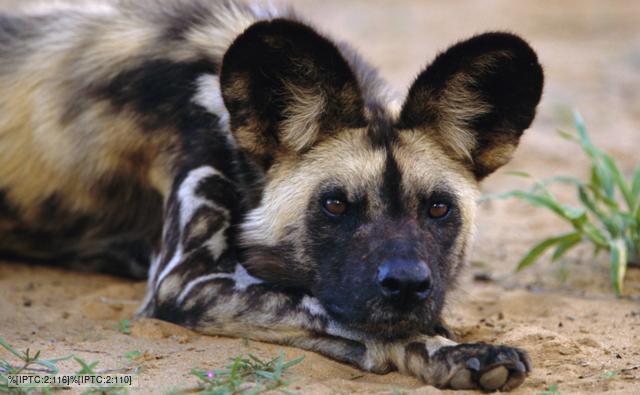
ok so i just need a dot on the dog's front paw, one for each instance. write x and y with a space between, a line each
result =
482 366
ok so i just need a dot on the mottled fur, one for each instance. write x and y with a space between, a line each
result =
202 139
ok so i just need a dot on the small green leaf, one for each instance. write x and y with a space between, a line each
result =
134 354
579 121
124 326
541 247
567 135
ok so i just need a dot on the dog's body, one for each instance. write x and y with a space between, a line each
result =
260 173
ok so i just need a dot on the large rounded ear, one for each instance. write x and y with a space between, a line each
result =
476 99
286 87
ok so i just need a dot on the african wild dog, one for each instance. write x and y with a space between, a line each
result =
261 173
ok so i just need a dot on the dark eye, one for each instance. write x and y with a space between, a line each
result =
335 207
438 210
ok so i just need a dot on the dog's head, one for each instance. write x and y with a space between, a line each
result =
371 212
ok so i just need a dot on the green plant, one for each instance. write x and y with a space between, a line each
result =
608 216
246 375
124 326
29 363
35 365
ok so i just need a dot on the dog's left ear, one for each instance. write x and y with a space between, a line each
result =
286 88
476 99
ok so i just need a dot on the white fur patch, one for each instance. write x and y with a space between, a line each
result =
172 264
240 276
217 243
209 96
313 306
189 201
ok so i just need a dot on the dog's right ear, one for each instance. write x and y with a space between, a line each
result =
476 99
286 88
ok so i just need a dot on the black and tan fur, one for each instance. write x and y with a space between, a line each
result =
200 140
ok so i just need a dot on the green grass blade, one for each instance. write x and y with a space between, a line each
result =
293 362
65 358
618 264
532 198
519 173
601 197
590 204
582 129
277 371
597 236
543 184
577 216
604 178
635 188
565 245
266 375
50 365
12 350
619 180
87 368
541 247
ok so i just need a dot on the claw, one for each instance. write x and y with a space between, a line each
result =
519 367
473 364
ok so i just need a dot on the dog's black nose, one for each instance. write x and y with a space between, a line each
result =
404 280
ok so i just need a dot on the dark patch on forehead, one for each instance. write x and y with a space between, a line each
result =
381 133
382 136
391 189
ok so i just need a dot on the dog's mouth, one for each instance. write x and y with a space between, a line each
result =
386 323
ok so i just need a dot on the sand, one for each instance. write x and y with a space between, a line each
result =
580 336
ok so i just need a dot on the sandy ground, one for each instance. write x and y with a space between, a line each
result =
580 336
